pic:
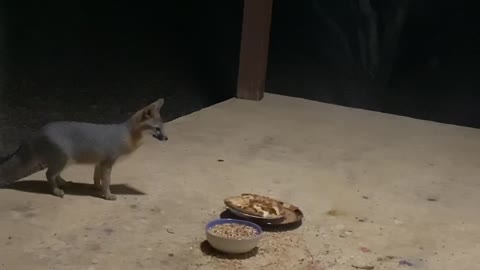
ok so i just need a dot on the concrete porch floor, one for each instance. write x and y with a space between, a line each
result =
376 190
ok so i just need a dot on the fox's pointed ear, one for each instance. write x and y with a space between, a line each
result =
146 114
160 102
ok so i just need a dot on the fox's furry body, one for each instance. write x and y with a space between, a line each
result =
59 144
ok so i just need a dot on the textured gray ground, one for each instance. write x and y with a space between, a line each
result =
377 190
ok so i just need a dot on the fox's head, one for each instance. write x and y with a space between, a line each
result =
149 120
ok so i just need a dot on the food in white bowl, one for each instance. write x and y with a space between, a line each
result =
233 236
233 231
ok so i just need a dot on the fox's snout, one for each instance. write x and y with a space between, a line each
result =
159 135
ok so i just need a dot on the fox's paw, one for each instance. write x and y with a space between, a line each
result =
58 192
110 197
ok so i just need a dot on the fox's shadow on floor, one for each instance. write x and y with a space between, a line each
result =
77 189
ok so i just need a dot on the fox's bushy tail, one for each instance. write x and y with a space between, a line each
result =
18 165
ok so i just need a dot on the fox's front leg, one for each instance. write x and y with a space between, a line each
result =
106 172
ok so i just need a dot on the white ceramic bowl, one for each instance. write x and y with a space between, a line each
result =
232 246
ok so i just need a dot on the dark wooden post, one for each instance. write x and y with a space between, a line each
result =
252 70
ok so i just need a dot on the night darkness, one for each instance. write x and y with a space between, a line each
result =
99 61
434 63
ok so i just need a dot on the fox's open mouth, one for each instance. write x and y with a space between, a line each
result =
159 135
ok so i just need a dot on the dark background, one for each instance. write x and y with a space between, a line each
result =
117 55
100 61
434 68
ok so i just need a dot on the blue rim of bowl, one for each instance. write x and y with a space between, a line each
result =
232 220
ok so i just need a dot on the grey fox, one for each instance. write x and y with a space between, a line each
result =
59 144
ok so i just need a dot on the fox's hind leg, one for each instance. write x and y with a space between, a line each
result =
54 170
62 182
97 177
